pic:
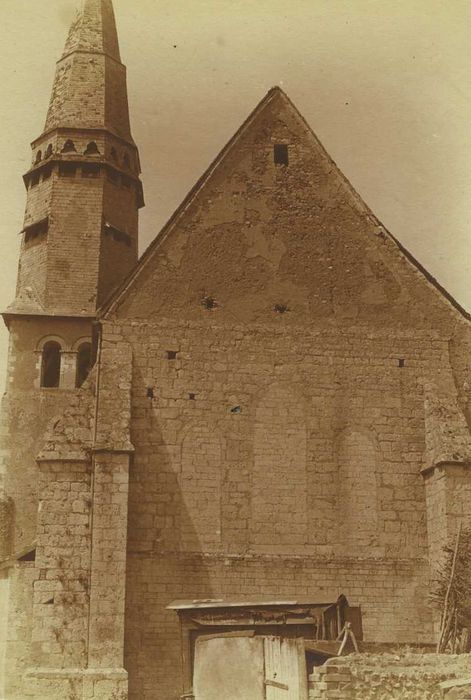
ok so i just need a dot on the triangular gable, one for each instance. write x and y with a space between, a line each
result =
330 223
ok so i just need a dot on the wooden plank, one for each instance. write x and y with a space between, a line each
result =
277 684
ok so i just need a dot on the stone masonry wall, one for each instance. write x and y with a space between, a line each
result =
74 267
117 258
61 592
74 598
390 593
32 271
26 413
204 491
387 676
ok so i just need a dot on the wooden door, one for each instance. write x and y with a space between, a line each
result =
285 669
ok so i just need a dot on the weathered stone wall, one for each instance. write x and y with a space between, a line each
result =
120 209
73 243
75 265
387 590
4 600
69 506
268 365
201 473
32 273
26 413
448 489
387 676
61 591
281 412
19 627
74 597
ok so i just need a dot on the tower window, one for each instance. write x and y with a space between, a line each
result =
35 230
39 157
84 363
68 147
116 234
48 153
51 365
47 172
280 154
90 170
67 169
91 149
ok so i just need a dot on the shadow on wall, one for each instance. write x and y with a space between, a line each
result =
166 519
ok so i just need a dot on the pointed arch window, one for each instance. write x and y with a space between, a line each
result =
84 363
39 157
92 149
69 147
48 153
51 365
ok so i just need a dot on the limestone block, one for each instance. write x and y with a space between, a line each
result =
6 523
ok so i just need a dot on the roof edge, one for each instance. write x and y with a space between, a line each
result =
113 300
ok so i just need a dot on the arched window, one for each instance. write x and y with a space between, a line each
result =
68 146
48 151
51 365
91 149
39 156
84 363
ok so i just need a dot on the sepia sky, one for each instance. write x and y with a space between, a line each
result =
385 84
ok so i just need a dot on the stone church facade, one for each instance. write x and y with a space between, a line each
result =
273 401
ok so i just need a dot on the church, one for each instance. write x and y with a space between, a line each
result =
257 430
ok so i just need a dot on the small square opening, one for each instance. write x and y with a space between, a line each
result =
90 170
67 169
47 172
171 354
280 154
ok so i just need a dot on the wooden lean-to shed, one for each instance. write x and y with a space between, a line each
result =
262 649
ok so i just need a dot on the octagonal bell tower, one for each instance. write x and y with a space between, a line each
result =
79 241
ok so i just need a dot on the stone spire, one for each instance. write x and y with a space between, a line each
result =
83 187
94 30
89 88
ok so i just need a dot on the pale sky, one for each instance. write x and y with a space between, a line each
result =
385 84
